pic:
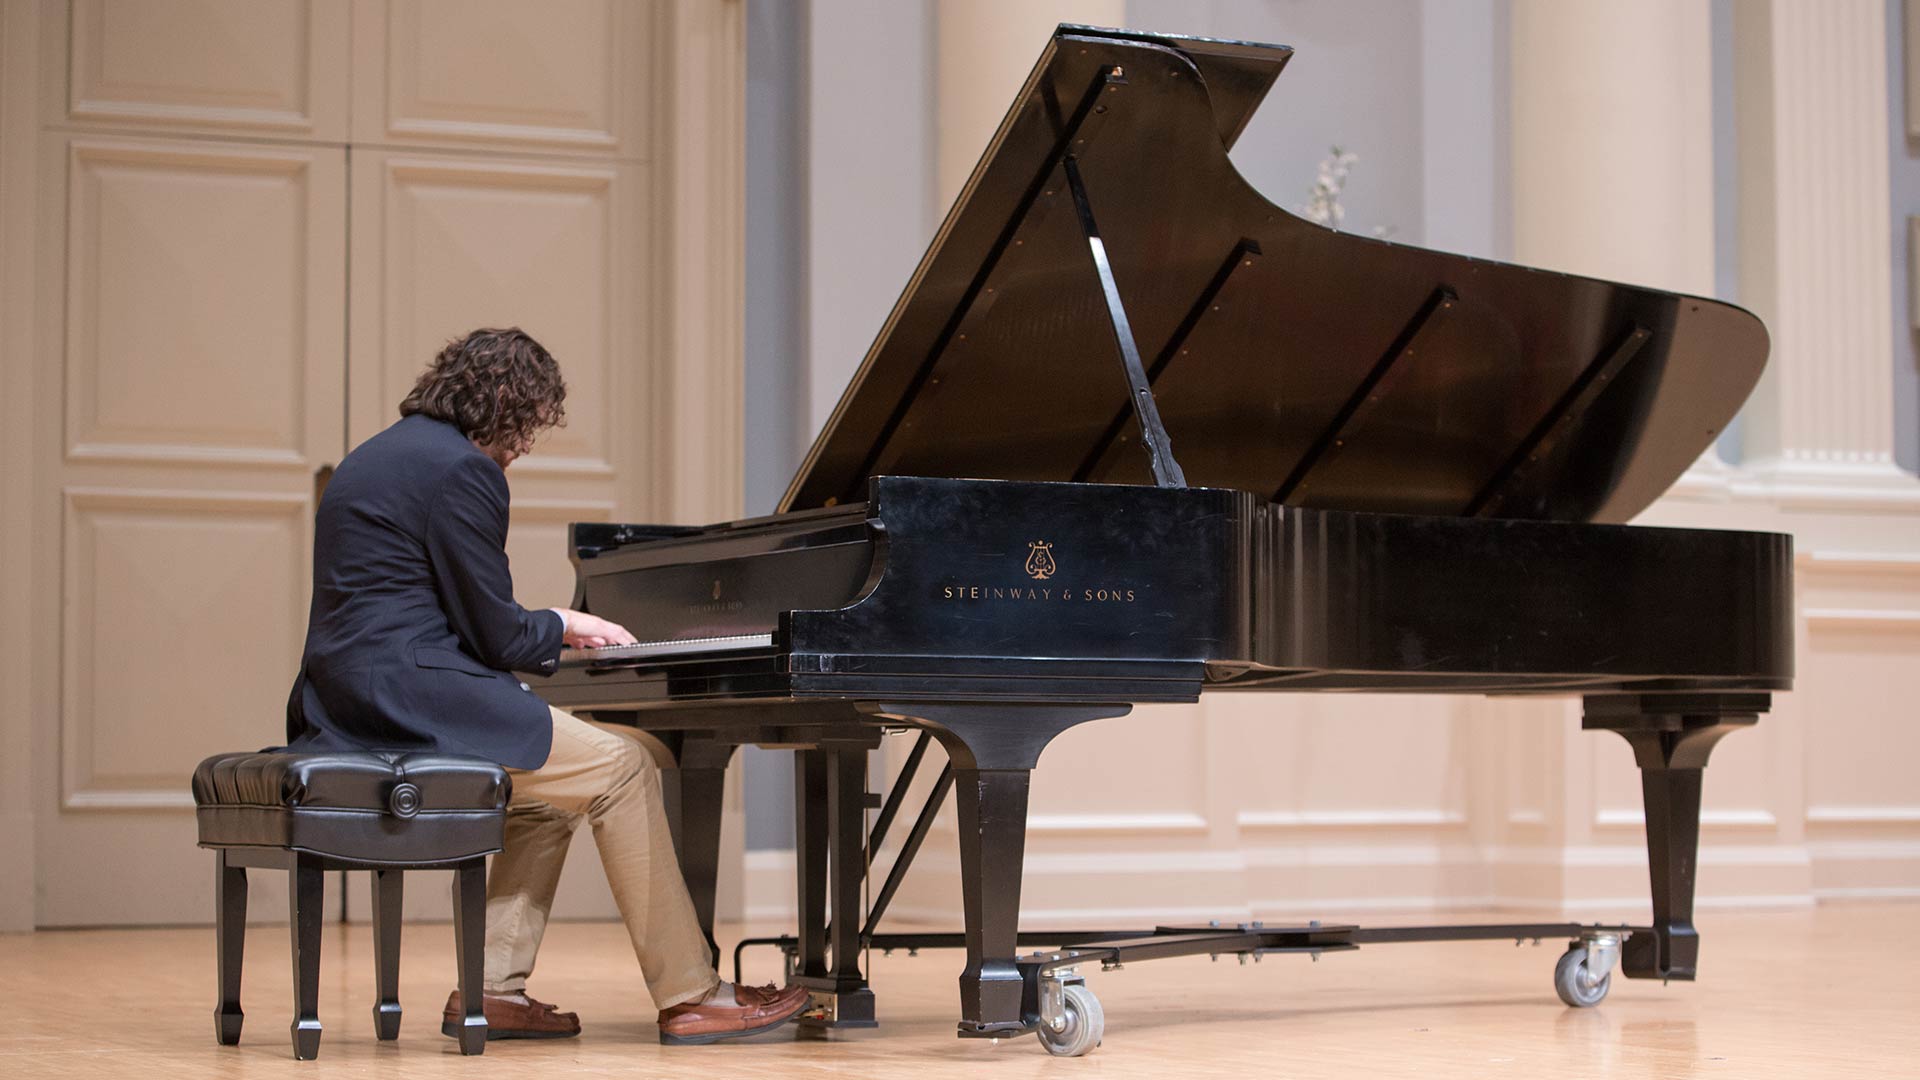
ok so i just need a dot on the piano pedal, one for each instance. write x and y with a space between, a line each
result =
838 1009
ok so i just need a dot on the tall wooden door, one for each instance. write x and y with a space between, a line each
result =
258 220
193 219
525 198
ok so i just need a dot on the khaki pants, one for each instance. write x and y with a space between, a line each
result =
608 776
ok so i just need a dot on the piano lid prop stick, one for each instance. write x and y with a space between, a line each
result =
1153 434
1242 256
1073 133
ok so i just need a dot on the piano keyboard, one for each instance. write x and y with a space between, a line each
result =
648 650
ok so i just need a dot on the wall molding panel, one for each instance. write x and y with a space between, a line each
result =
125 588
1086 824
1861 638
424 244
261 67
1890 621
1863 815
201 274
1350 819
580 81
1710 818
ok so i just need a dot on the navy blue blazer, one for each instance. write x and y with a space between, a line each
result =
414 634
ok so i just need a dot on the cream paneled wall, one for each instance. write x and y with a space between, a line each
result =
291 203
235 230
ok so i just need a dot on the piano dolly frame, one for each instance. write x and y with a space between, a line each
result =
1671 741
1582 977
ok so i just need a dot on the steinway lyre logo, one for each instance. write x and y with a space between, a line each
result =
717 603
1040 564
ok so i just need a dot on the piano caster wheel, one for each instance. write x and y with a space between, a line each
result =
1573 979
1084 1022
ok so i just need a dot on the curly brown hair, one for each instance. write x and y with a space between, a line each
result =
501 388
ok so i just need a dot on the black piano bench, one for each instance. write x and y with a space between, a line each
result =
387 812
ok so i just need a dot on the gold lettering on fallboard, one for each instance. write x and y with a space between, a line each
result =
1039 565
990 593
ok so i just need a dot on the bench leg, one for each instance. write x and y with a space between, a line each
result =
305 896
469 946
387 886
230 934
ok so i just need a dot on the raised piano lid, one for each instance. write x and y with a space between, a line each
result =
1315 367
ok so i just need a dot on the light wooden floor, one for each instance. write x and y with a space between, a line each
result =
1833 992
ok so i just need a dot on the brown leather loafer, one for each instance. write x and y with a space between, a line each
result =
508 1018
759 1008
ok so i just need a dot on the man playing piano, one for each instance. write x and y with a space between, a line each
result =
412 642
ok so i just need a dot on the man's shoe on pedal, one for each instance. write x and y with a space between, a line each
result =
750 1011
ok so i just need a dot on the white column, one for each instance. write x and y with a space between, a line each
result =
1612 115
1613 177
986 50
1815 249
1612 141
705 294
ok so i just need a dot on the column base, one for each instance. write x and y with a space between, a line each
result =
1827 485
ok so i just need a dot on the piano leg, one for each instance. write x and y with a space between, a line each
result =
810 861
695 796
992 805
830 849
847 863
993 749
1671 740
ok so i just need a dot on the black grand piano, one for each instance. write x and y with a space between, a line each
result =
1133 433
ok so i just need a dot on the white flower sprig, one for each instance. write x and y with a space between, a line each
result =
1323 202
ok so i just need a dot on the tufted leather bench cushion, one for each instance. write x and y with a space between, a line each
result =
376 806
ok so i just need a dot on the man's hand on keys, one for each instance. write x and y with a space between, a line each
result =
586 631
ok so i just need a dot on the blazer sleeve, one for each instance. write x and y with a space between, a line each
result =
466 537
